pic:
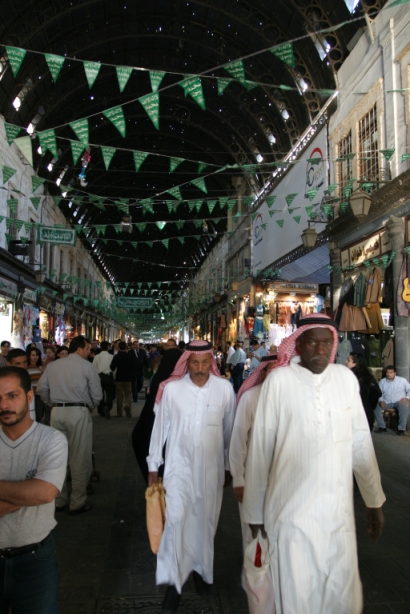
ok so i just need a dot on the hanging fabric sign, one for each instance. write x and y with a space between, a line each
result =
155 77
91 72
123 75
62 236
139 157
151 106
48 141
116 117
55 64
107 154
285 54
81 129
11 132
16 57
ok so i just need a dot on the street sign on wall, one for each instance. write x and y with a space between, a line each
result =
62 236
133 302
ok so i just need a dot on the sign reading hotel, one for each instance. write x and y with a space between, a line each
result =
133 302
62 236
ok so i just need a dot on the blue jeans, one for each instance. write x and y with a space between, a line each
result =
29 583
402 408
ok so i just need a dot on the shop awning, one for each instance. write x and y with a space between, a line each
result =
310 268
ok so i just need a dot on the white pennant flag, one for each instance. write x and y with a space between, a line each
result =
24 145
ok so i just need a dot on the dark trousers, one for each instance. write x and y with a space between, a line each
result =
137 385
108 388
237 376
29 583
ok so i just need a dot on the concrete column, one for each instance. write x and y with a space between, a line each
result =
336 279
395 229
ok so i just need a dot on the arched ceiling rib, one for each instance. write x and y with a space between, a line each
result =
178 37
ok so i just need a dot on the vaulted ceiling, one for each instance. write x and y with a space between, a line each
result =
180 38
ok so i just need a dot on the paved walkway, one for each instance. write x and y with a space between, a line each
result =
106 564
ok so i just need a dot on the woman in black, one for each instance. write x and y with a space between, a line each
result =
141 435
369 388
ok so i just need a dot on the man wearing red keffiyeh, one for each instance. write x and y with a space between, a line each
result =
309 436
194 410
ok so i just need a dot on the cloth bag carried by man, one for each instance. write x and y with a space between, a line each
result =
259 581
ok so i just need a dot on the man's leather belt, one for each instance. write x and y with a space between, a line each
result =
10 553
70 405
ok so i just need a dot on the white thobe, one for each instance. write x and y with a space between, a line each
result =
238 451
196 424
309 436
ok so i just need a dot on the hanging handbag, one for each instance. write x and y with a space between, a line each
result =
259 581
155 498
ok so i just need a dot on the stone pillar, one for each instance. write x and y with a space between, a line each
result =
336 279
395 229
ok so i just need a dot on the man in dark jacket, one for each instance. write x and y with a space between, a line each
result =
123 366
140 361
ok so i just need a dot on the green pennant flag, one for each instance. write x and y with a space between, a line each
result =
175 192
285 53
231 204
16 57
280 222
211 205
118 228
100 229
197 237
247 200
116 116
191 204
344 206
120 243
290 198
77 149
9 222
230 233
122 207
82 131
270 200
327 209
197 223
55 64
346 191
23 240
237 215
123 75
237 70
24 145
141 226
223 200
134 245
198 204
331 189
19 224
222 85
91 72
139 157
250 85
200 183
314 161
387 153
12 203
36 182
271 213
174 163
27 226
147 205
151 106
193 87
107 154
405 157
216 220
12 132
201 167
312 193
155 77
171 205
149 243
165 242
309 210
180 224
48 141
297 218
161 225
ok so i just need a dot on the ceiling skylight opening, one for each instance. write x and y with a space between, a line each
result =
351 5
16 103
285 114
3 66
22 94
61 177
259 158
39 150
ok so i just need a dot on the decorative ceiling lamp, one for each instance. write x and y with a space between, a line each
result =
360 203
309 237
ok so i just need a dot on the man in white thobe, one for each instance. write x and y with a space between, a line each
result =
194 417
310 435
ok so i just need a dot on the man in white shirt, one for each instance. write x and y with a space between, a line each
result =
32 471
230 351
237 361
194 417
395 395
299 474
256 353
102 363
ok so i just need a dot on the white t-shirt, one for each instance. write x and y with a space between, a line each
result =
40 453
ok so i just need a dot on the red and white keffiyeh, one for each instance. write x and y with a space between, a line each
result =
287 348
181 368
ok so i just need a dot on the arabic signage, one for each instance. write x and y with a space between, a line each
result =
133 302
286 286
62 236
277 229
372 247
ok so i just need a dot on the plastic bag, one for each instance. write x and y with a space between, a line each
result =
155 498
259 581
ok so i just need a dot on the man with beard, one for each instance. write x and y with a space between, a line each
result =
309 437
33 460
